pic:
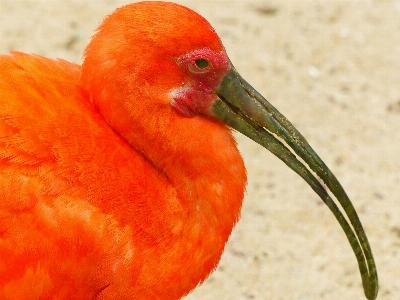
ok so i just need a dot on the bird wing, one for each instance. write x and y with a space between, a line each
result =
68 185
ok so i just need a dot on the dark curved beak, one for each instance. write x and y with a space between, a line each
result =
240 106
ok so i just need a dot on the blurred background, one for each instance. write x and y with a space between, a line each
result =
332 68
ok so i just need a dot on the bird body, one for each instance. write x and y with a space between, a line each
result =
75 195
118 179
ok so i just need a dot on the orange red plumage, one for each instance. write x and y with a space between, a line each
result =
84 207
116 179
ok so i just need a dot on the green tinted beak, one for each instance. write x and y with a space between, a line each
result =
244 109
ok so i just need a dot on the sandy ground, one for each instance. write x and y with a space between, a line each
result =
332 67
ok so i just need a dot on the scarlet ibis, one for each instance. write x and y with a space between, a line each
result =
119 179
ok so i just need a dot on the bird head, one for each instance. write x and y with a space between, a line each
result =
157 44
164 45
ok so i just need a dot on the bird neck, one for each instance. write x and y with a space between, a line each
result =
199 169
197 155
200 160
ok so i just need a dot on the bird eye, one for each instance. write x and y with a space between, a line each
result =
201 63
199 66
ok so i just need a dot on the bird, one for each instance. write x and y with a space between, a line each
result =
120 178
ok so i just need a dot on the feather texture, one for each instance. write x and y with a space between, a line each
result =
89 210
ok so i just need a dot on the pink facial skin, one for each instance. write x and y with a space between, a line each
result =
197 94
